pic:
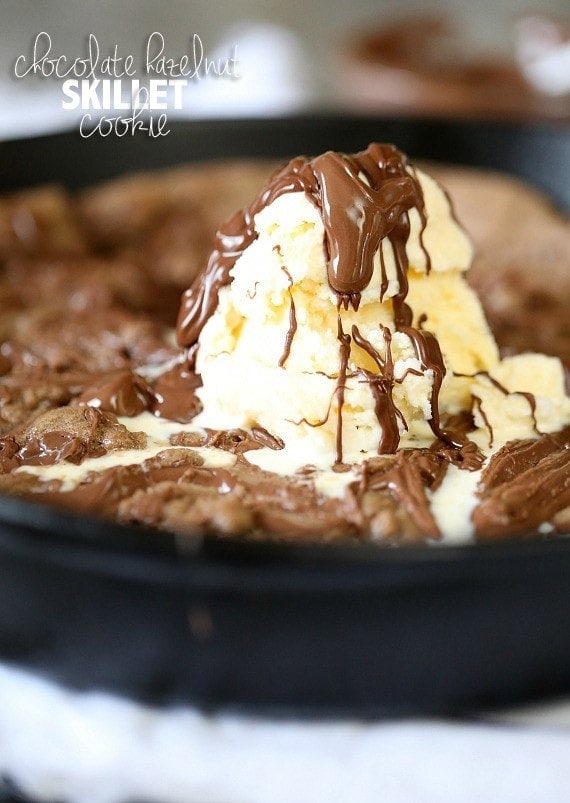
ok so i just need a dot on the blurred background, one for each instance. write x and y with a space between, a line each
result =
492 58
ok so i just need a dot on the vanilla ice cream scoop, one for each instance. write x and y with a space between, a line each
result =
333 313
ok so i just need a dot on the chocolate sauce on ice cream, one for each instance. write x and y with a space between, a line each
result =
362 199
334 379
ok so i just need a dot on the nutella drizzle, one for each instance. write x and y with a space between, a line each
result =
381 385
292 321
429 354
364 201
251 295
530 397
477 403
357 215
344 355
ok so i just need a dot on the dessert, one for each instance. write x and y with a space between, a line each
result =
334 376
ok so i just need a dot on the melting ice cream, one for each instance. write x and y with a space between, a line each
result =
334 314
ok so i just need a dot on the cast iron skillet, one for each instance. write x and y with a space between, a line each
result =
334 630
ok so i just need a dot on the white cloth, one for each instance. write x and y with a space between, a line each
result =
91 747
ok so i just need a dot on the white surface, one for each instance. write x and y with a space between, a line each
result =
94 748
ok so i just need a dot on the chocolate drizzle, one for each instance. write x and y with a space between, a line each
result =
530 398
364 201
429 354
344 354
359 213
292 322
478 405
200 301
381 385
